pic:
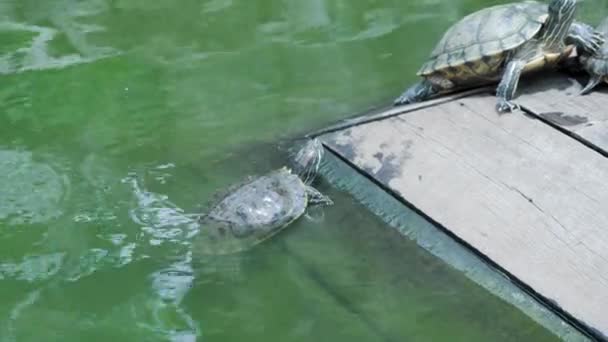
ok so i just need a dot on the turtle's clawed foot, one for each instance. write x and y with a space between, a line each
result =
420 91
586 38
402 100
317 198
594 80
595 43
505 106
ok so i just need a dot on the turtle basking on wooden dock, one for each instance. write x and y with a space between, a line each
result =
596 65
260 207
499 43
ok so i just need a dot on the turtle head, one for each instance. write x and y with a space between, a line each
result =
307 160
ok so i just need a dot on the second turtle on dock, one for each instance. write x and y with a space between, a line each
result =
499 43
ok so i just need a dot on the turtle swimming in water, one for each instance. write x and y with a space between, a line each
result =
262 206
499 43
596 66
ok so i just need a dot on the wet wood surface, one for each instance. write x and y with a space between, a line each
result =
555 98
530 195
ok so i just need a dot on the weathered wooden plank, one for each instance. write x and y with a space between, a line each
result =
527 196
555 98
391 111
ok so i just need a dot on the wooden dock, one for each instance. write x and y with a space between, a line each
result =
527 191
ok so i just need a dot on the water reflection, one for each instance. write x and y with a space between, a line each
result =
160 220
163 222
42 47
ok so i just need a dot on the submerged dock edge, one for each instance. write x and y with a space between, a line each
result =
413 225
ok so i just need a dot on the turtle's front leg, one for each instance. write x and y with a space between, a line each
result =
508 85
420 91
585 37
317 198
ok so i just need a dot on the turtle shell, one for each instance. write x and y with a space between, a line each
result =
598 64
253 212
484 37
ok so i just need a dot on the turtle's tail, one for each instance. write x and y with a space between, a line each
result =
420 91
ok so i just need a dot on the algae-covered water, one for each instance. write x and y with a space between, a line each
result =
119 116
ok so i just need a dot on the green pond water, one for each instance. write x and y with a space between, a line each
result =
119 116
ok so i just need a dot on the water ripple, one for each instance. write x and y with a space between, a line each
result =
33 268
164 222
159 218
34 55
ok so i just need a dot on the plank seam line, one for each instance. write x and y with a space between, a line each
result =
581 326
565 131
